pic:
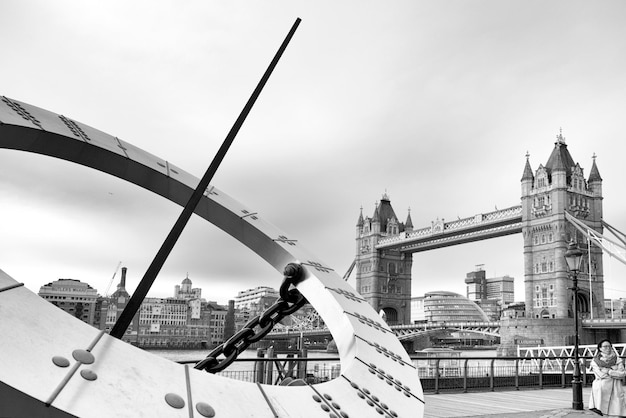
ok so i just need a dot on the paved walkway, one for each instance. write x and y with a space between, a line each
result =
538 403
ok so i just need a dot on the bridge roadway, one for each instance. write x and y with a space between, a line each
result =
407 331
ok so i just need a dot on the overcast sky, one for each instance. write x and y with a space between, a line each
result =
435 103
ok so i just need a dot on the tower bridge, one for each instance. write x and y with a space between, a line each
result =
559 205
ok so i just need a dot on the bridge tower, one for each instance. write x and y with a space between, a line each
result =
554 188
383 277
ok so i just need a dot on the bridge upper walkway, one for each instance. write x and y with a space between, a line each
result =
442 234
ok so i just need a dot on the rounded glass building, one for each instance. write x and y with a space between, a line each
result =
442 306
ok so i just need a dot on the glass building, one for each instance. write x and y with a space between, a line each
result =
442 306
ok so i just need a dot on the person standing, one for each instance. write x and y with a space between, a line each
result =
607 393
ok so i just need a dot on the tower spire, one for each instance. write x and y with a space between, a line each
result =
594 174
560 139
528 172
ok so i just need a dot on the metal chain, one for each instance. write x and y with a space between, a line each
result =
289 302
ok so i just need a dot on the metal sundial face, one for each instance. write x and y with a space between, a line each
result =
377 376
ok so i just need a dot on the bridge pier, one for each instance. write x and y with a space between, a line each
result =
551 332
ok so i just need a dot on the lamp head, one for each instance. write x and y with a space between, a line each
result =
573 256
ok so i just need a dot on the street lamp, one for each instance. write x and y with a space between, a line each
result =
574 257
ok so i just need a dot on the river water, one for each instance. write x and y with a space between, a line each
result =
330 360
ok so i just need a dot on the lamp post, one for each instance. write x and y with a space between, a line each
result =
574 257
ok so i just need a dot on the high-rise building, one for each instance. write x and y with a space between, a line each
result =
479 287
418 316
255 301
476 283
74 297
492 294
501 289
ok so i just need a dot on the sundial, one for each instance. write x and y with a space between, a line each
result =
54 365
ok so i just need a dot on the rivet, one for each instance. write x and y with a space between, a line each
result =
361 395
366 391
354 385
380 411
60 361
343 414
205 409
336 405
83 356
375 398
408 389
393 413
370 403
317 398
384 405
325 407
88 374
327 396
174 401
372 371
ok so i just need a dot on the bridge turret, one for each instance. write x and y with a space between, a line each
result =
383 277
595 181
527 177
557 168
557 187
376 221
408 225
359 224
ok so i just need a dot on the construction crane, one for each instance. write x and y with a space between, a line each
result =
347 275
112 278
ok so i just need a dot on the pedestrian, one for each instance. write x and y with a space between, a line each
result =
607 391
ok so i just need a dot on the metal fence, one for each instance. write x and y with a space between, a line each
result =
437 374
492 373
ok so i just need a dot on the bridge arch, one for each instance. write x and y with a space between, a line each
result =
391 315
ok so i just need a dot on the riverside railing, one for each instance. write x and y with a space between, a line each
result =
437 374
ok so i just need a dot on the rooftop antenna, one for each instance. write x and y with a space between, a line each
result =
153 270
